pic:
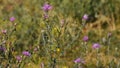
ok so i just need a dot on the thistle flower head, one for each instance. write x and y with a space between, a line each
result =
78 60
46 7
26 53
85 38
96 46
85 17
18 58
4 31
12 19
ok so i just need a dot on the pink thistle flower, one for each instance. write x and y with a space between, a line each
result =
78 60
18 58
26 53
46 7
12 19
4 31
85 38
96 46
85 17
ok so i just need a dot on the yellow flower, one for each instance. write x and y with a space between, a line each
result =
55 31
58 49
65 67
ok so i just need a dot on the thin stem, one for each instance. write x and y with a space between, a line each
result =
97 58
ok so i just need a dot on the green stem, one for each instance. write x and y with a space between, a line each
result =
97 58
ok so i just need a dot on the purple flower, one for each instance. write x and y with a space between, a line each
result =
12 19
46 7
18 58
2 48
78 60
4 31
96 46
85 38
85 17
26 53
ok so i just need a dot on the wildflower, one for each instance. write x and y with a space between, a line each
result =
78 60
46 7
26 53
46 16
2 48
12 19
65 67
18 58
58 49
4 31
85 17
96 46
85 38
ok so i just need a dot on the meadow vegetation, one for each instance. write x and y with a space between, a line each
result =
59 34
